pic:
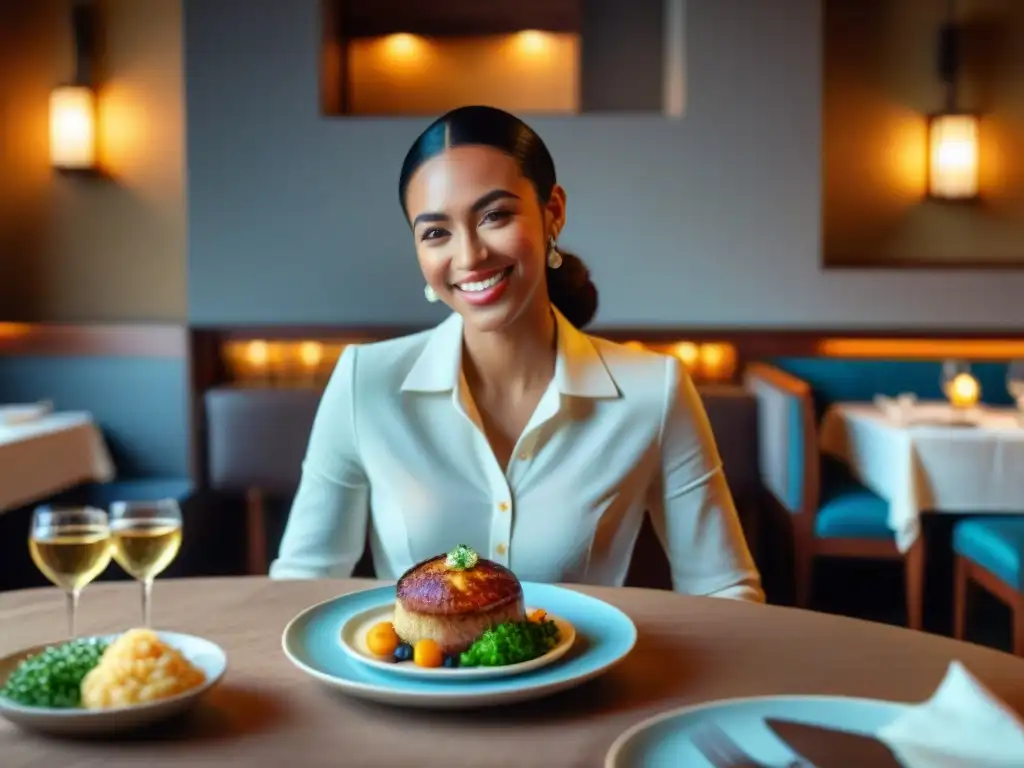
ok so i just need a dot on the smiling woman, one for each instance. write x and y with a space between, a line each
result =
482 175
507 427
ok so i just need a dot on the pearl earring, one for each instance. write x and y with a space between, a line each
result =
430 294
554 257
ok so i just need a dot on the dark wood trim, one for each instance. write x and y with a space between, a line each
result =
782 338
751 345
94 340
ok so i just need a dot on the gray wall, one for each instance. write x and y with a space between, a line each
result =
712 220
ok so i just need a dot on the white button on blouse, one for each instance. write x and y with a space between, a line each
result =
397 445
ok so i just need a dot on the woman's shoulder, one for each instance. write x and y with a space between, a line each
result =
382 360
640 373
634 358
658 384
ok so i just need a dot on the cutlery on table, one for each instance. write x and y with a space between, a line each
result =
723 752
828 748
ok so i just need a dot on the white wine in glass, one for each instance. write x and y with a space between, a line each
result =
71 546
146 536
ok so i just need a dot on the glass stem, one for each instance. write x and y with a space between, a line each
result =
72 608
147 600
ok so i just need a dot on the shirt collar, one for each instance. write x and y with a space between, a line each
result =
579 369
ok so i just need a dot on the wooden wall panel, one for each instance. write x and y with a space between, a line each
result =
107 340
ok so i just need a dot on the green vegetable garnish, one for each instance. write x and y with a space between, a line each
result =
53 677
511 643
461 558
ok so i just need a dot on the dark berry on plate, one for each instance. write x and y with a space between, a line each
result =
403 652
451 661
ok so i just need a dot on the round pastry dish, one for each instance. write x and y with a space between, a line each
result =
452 599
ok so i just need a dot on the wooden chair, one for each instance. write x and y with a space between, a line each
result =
990 553
832 514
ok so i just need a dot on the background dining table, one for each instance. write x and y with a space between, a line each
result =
266 712
921 459
45 453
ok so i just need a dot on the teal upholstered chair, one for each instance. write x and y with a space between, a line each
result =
832 514
990 552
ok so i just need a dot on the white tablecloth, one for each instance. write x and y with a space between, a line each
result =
50 454
923 464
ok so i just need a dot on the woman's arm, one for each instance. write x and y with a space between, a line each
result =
691 506
326 531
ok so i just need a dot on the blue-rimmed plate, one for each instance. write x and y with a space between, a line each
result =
604 636
667 740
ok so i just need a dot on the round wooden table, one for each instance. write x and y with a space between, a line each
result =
266 712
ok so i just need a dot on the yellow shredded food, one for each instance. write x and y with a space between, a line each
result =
137 668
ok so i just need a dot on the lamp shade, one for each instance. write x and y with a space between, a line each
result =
953 157
73 128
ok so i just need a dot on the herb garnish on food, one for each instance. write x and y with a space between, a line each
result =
511 643
53 677
462 558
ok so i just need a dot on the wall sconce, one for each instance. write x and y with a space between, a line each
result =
73 116
952 134
953 156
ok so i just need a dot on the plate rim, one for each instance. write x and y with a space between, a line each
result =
81 713
453 695
618 745
498 672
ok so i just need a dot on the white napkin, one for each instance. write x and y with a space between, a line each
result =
963 724
898 409
22 414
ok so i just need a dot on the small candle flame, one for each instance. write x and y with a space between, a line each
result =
964 390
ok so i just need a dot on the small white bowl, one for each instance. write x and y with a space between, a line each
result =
353 641
207 656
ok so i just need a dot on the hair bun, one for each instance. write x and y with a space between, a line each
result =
572 291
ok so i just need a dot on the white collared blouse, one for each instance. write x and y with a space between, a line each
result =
397 445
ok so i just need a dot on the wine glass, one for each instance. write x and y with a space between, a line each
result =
146 538
71 546
1015 384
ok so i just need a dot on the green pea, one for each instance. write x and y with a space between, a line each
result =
53 677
